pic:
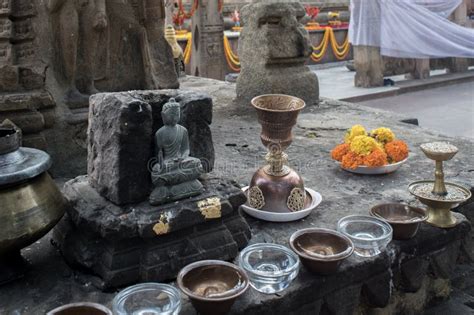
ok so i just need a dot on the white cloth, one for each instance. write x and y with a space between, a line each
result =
410 28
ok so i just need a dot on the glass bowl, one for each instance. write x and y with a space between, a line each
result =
212 285
270 267
321 250
149 299
404 219
369 235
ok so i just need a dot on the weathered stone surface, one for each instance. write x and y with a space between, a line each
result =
119 147
126 244
121 132
9 80
413 272
273 49
378 290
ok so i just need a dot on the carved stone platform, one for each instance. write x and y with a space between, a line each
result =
139 242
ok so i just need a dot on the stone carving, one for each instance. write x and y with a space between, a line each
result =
273 49
111 229
120 172
175 173
79 24
208 47
178 55
24 98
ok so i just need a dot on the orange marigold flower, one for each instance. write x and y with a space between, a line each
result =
339 151
397 150
352 160
375 159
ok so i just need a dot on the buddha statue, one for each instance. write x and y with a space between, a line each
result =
175 174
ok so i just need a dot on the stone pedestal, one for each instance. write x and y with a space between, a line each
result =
208 45
140 243
111 229
273 49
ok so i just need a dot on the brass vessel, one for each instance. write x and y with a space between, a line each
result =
212 285
321 250
276 187
404 219
30 202
439 196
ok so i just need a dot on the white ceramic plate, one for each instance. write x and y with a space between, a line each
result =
283 217
365 170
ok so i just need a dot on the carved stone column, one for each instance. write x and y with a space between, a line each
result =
23 98
208 46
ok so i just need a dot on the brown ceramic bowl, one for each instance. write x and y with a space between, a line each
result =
212 285
321 250
405 220
83 308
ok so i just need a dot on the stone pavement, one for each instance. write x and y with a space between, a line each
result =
448 109
337 82
406 278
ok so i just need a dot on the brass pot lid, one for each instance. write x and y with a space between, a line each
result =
18 163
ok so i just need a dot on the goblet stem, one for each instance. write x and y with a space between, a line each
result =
439 186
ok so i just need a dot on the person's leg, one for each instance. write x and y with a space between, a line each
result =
69 39
93 21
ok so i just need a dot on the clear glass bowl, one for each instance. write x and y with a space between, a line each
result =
147 299
270 267
369 235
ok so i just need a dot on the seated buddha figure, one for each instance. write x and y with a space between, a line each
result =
175 175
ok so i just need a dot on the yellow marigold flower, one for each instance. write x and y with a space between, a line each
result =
356 130
363 145
383 135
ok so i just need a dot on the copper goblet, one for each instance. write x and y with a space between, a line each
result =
276 187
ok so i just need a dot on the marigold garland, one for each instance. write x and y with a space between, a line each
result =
339 151
397 150
383 135
378 148
352 160
340 51
376 158
354 131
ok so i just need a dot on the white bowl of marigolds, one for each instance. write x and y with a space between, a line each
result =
370 153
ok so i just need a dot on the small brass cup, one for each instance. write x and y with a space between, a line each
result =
321 250
83 308
405 220
212 285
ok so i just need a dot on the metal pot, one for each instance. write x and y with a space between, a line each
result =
30 202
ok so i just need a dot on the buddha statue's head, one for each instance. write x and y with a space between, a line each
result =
171 113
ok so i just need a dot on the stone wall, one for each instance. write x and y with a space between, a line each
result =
23 96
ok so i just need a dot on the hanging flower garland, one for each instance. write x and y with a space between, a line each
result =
340 51
187 15
232 59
